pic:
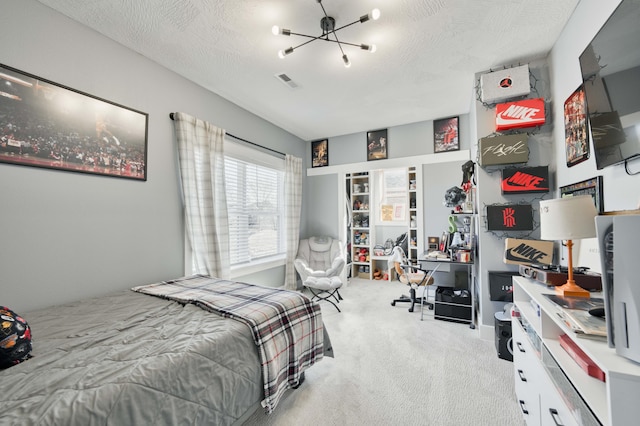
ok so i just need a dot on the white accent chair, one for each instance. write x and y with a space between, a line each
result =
320 262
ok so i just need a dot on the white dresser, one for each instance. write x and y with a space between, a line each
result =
551 387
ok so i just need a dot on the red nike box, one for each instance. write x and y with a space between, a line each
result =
522 180
524 113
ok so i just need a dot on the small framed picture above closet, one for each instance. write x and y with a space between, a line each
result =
446 134
377 144
320 153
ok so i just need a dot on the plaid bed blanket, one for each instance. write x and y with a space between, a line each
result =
287 327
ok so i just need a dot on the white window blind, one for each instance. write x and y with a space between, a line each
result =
255 191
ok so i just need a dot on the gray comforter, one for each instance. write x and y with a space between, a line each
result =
132 359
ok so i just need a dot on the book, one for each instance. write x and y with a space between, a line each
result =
579 303
574 311
587 324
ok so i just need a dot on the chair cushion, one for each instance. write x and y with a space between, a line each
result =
321 244
323 283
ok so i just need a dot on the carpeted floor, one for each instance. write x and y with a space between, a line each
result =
390 368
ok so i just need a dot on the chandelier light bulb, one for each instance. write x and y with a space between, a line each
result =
283 53
346 61
374 14
370 47
276 30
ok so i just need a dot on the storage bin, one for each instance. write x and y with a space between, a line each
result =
453 295
447 311
452 304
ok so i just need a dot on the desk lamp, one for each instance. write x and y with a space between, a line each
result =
568 219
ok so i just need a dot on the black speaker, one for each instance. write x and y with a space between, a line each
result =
504 341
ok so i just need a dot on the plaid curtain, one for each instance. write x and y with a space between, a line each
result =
200 151
293 203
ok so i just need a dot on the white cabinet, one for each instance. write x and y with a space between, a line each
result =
358 187
365 228
528 371
557 390
416 238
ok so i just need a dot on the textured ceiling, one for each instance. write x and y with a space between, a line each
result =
427 53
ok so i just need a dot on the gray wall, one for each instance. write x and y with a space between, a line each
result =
621 191
491 244
558 76
404 141
66 236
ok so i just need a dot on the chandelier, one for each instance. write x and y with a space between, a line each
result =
329 30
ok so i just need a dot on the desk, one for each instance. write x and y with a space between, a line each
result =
445 266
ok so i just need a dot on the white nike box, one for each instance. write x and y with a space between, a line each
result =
504 84
526 252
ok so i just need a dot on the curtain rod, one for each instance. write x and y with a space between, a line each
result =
246 141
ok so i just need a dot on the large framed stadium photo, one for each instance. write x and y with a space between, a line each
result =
45 124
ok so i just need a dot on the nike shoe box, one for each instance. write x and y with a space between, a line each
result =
503 149
504 84
527 252
520 114
525 180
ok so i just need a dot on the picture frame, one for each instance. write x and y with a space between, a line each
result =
446 134
592 187
48 125
320 153
377 145
576 133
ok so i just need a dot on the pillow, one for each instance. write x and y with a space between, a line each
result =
15 338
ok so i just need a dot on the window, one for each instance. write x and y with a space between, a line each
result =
255 193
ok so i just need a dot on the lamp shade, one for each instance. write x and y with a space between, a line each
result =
568 218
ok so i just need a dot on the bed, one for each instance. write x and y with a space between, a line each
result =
158 358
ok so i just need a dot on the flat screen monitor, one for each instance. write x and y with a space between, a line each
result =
610 67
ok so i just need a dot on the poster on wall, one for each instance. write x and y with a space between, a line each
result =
393 184
45 124
320 153
576 134
377 145
591 187
446 134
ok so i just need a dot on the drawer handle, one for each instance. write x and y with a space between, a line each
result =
523 408
556 417
521 374
520 347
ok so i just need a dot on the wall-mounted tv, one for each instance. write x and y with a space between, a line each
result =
611 73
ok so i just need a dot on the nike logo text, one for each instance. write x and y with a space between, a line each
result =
524 253
523 182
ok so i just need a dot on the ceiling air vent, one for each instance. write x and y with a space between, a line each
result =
286 80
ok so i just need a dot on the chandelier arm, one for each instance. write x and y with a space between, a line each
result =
323 39
332 31
345 26
307 42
